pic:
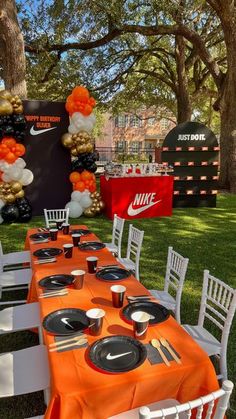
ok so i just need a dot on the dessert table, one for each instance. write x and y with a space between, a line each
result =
78 389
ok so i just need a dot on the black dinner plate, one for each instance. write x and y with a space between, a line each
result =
47 252
91 246
66 321
39 236
117 353
157 311
56 281
80 231
113 274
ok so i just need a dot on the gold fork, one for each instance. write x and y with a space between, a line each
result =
156 344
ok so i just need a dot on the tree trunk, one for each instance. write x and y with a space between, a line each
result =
184 109
12 54
228 133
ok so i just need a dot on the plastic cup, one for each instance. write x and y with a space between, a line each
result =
66 228
95 316
118 292
68 250
59 224
53 234
140 324
92 262
76 239
78 278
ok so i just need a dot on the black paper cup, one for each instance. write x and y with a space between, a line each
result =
66 228
78 278
53 234
76 239
59 224
95 316
68 250
92 262
140 324
118 292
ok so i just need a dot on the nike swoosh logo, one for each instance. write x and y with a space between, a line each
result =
40 131
64 320
132 212
110 357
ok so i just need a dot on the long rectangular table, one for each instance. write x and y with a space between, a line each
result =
79 391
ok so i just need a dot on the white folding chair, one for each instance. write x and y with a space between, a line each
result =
24 371
176 268
53 215
135 240
14 258
218 305
13 281
22 317
117 231
172 409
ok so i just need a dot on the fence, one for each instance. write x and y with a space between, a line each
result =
126 155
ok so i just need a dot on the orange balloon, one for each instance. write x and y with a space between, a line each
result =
92 101
80 93
86 175
80 186
87 110
69 99
19 150
92 188
4 150
69 107
10 157
9 142
74 177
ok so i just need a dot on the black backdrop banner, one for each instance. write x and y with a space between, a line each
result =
49 161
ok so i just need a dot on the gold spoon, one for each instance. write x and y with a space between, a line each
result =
156 344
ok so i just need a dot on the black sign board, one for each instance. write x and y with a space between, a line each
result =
192 149
49 161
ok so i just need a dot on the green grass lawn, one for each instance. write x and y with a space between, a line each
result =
205 235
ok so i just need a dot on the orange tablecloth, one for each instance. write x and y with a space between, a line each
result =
80 392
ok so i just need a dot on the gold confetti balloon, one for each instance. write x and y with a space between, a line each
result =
5 94
20 194
16 187
10 198
66 140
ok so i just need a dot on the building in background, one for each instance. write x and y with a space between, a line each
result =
131 135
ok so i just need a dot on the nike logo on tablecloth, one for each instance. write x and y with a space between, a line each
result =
40 131
132 212
110 357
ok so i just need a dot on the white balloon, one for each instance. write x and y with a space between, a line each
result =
4 165
75 209
1 219
81 122
76 196
27 177
86 201
15 173
2 203
20 163
72 129
5 177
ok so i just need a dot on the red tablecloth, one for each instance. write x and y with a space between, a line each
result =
80 392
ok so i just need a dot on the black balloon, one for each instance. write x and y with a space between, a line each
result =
9 213
8 130
25 209
92 168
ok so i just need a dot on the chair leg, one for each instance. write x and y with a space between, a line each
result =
223 367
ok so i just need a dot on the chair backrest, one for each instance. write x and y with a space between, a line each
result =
218 305
176 269
211 406
54 215
135 241
117 232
